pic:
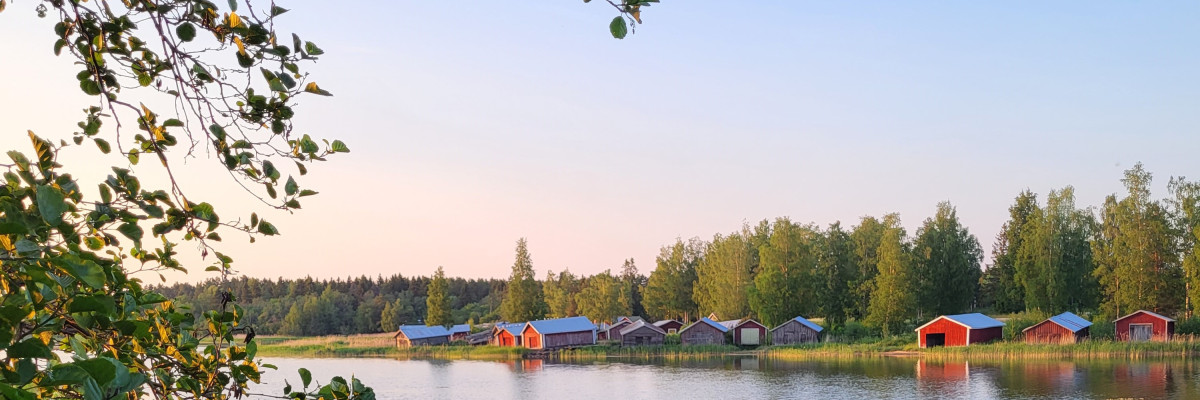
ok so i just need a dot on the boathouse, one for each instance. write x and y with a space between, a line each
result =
704 331
1142 326
796 330
507 335
669 326
459 332
559 333
746 332
959 330
1063 328
614 331
642 334
421 335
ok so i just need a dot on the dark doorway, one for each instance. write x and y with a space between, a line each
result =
935 339
638 340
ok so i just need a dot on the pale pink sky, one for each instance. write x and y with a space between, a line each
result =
473 126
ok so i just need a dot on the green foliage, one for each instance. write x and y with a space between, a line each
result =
670 286
600 298
894 300
866 237
725 274
438 301
1015 325
786 282
1185 207
559 291
1137 263
523 297
946 258
1188 326
1001 284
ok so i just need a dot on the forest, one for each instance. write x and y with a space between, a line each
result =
1132 252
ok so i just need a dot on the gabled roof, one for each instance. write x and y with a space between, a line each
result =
971 321
1069 321
413 332
631 319
562 325
464 328
666 321
802 321
640 324
513 328
1147 313
730 324
710 322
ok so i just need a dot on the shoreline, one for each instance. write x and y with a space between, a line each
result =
341 347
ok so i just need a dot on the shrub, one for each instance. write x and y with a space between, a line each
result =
1188 326
1019 321
672 339
1102 328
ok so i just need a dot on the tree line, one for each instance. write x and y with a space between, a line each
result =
1133 252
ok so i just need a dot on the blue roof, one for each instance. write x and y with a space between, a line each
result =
805 322
413 332
562 325
514 328
971 321
1071 321
464 328
714 324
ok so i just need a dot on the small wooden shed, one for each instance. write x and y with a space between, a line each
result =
421 335
507 335
669 326
1142 326
796 330
642 334
747 332
959 330
559 333
459 332
614 331
1063 328
704 331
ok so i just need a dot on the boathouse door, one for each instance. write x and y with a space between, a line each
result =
1140 332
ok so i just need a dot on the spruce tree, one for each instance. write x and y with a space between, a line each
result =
437 302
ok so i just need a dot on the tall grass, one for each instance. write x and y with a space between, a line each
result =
668 352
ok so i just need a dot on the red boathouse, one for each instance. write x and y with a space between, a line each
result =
559 333
959 330
1142 326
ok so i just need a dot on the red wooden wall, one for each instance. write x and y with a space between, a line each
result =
1161 329
762 332
1052 333
956 335
986 334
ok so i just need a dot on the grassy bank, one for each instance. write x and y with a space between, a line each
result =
379 345
1088 349
383 346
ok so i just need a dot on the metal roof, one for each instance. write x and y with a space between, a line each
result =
563 325
705 320
971 321
513 328
665 321
639 324
730 324
1146 312
413 332
804 322
464 328
1071 321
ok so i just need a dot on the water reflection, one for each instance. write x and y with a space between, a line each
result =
754 377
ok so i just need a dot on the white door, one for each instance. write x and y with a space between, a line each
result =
1140 332
749 336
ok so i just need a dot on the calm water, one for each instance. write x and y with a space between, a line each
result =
753 378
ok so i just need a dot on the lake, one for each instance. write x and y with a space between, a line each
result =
754 378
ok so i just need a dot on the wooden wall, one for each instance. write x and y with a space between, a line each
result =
1048 332
1161 329
956 335
793 332
701 333
649 337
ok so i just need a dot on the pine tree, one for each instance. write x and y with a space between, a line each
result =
437 302
523 297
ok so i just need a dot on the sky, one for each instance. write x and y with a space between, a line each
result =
473 124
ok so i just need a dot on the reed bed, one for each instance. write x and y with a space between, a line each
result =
1182 346
667 352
